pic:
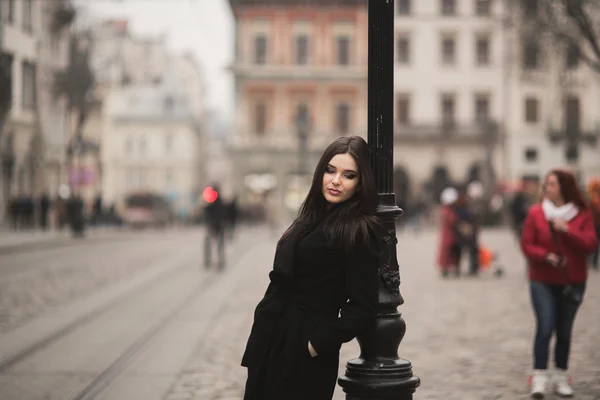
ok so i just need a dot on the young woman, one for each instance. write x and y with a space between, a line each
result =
325 262
558 235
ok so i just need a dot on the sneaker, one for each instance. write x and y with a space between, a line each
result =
562 383
538 382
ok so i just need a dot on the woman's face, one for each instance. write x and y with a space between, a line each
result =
552 188
340 179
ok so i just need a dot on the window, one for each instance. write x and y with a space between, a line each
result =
169 103
403 50
448 7
302 120
260 49
531 154
128 146
169 177
29 86
302 50
403 109
143 145
448 109
482 107
530 8
28 15
403 7
482 45
531 54
483 7
10 12
572 115
169 143
531 110
343 50
260 118
343 118
448 50
572 56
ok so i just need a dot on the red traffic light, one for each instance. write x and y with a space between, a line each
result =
210 195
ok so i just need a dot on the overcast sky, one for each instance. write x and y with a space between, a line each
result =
204 27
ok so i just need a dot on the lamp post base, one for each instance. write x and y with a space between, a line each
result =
389 380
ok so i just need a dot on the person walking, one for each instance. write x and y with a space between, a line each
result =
557 236
325 262
215 214
594 193
44 204
449 248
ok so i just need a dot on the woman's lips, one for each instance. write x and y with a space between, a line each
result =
334 192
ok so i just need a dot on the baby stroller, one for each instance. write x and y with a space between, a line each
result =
488 261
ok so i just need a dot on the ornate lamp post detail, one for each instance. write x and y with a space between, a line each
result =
379 374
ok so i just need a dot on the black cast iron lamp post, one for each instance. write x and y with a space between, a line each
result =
379 374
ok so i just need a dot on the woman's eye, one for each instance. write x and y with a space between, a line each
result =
350 176
329 170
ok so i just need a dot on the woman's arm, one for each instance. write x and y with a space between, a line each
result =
530 248
361 282
584 238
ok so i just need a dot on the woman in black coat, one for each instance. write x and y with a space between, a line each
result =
324 283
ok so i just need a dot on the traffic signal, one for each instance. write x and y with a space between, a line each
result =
209 194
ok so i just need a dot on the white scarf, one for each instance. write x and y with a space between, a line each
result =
567 211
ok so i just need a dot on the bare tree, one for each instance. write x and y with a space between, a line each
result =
77 84
573 23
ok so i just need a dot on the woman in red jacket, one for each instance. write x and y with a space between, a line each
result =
558 235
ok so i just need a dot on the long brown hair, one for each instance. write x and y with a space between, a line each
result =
351 220
569 190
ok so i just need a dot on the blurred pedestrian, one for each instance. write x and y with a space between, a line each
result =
215 214
44 204
232 217
558 234
325 258
594 193
14 210
526 197
449 249
467 232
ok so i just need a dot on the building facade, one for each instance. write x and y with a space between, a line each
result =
19 53
450 94
153 142
553 95
54 127
300 82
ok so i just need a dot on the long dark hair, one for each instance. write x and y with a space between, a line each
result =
351 221
569 190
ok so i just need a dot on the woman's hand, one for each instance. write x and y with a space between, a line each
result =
560 225
554 260
311 350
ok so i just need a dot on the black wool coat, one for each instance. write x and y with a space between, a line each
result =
318 293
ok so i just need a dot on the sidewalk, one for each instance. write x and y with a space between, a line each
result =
10 240
468 339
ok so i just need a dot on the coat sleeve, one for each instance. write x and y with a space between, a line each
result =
583 238
530 248
361 283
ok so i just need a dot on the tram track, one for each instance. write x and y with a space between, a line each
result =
112 371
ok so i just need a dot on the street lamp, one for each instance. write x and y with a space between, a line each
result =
378 373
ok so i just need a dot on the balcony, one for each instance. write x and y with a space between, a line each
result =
586 136
273 72
474 133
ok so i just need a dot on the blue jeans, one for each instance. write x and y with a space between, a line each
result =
554 314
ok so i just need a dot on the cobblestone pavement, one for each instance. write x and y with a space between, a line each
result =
33 281
468 338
